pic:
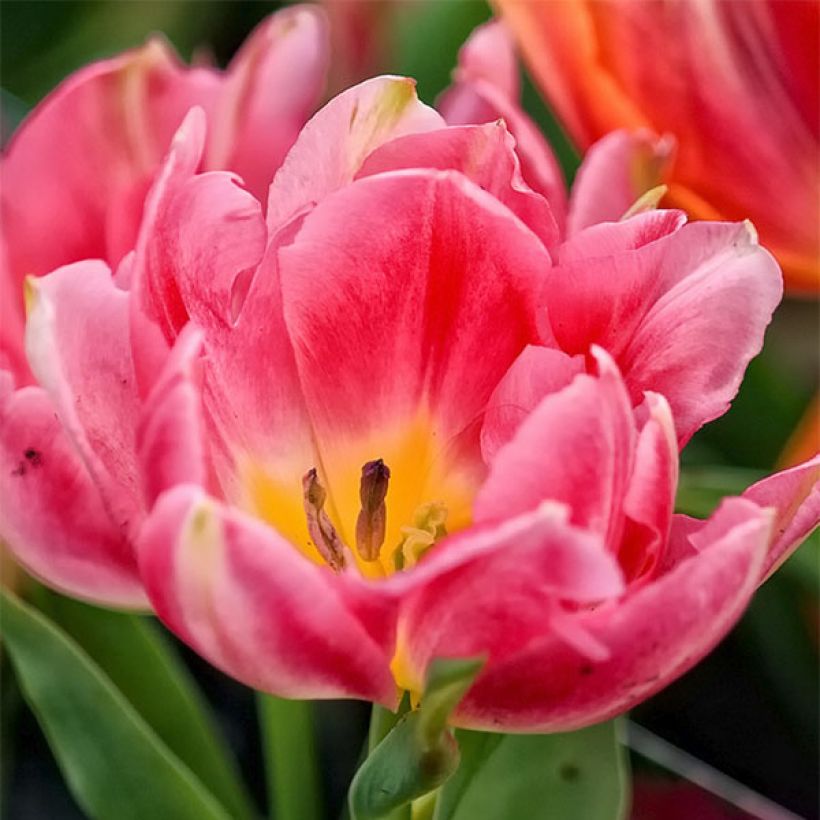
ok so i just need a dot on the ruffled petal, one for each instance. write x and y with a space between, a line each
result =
651 636
720 289
576 447
494 589
243 597
681 309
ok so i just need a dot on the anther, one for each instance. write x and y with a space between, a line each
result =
372 520
321 531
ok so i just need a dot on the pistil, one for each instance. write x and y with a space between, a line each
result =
321 530
372 520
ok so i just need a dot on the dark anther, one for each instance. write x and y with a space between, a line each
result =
323 533
372 520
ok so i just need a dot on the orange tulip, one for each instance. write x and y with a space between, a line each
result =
735 81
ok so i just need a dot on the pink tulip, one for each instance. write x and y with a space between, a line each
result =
76 172
335 438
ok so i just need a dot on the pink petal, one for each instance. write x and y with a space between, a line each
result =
53 517
681 309
536 373
485 154
405 313
576 447
694 343
616 171
795 496
170 432
245 599
89 375
486 89
650 498
78 168
331 148
653 635
201 232
492 590
271 89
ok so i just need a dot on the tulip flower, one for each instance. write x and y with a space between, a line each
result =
76 172
735 83
394 417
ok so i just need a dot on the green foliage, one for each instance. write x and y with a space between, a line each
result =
138 659
115 765
541 777
288 741
420 752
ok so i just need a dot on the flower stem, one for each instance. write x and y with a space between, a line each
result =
290 758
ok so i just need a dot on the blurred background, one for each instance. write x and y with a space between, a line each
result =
750 709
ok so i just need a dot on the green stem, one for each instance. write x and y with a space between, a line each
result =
290 758
381 722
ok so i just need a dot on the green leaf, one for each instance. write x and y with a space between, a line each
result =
140 662
419 753
114 764
290 758
549 777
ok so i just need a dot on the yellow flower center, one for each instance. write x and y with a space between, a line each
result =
379 504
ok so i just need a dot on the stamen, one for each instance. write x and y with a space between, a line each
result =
428 526
372 520
321 531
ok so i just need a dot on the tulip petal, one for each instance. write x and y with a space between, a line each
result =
653 635
486 89
536 373
170 434
393 359
650 498
494 589
120 112
201 232
485 154
53 518
616 171
244 598
333 145
576 447
795 496
695 341
90 375
272 87
681 309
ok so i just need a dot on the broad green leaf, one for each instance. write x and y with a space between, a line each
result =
288 741
540 777
419 753
140 662
114 764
